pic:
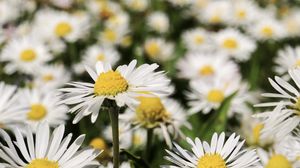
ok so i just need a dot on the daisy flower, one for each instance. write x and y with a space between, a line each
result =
205 96
158 49
25 55
206 66
244 12
197 39
66 26
164 114
288 58
10 10
220 153
122 85
44 150
103 9
43 106
267 28
235 44
277 158
288 96
292 23
51 77
119 21
112 36
137 5
215 12
11 112
158 21
100 53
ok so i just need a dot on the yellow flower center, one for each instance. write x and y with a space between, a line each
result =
110 83
152 49
211 161
98 143
110 35
28 55
256 132
241 14
62 29
297 64
42 163
101 57
126 41
37 112
278 161
267 31
136 140
48 77
230 43
215 19
215 96
199 39
206 70
151 111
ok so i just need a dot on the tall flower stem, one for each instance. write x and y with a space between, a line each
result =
148 144
114 118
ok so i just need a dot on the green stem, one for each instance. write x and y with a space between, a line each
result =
114 118
148 144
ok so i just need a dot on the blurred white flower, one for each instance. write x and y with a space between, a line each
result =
197 39
158 21
235 44
158 49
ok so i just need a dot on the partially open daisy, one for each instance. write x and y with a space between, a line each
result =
11 111
25 55
235 44
206 66
288 58
154 112
43 106
45 150
205 96
220 153
122 85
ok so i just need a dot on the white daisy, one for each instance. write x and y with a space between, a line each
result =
292 23
11 112
51 77
244 12
206 66
100 53
103 9
289 99
288 58
235 44
164 114
25 55
45 151
62 3
10 10
205 96
220 153
215 12
267 28
277 159
137 5
158 49
122 85
197 39
158 21
112 36
43 106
